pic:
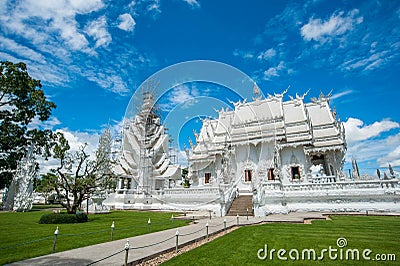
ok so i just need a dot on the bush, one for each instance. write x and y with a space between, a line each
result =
81 217
63 218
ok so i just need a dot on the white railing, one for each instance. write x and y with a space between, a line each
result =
323 179
341 185
193 191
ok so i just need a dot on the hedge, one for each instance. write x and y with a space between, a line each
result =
63 218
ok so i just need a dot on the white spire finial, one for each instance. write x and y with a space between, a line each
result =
256 90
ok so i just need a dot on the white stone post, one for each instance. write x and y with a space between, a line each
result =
112 231
126 251
177 241
55 239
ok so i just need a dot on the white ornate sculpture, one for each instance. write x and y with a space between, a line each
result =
20 192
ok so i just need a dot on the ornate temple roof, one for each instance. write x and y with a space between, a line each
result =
289 122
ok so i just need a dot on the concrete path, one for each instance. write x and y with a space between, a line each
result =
150 245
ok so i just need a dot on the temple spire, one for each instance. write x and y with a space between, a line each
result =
256 91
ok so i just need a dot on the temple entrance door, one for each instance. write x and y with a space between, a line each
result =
248 175
246 184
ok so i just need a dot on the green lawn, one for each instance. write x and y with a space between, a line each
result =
17 228
240 247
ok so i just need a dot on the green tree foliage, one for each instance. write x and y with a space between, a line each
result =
77 176
21 100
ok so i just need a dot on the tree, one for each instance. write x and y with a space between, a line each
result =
77 176
186 182
21 100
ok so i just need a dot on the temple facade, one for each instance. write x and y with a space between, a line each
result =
269 139
281 155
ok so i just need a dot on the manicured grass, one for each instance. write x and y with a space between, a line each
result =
240 247
18 228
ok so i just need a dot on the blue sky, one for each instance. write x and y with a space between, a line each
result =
92 55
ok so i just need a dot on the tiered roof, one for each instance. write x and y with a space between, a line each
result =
289 123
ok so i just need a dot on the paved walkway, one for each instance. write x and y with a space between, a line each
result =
152 244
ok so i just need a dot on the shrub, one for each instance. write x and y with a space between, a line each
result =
63 218
81 217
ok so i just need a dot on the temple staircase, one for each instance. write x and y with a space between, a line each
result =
240 205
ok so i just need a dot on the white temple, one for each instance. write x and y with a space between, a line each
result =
271 155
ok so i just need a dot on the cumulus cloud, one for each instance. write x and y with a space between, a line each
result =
98 30
274 71
365 145
76 140
267 55
338 24
126 22
392 157
357 131
48 124
181 94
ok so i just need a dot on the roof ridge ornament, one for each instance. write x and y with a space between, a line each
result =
280 95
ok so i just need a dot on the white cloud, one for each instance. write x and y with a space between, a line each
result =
44 22
341 94
357 131
367 62
243 54
267 55
338 24
48 124
366 150
181 94
274 71
76 140
22 51
126 22
392 157
154 6
193 3
367 144
98 30
109 81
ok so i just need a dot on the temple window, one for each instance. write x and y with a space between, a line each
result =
295 172
247 175
207 177
271 175
159 184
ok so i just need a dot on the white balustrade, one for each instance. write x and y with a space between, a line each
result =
327 184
